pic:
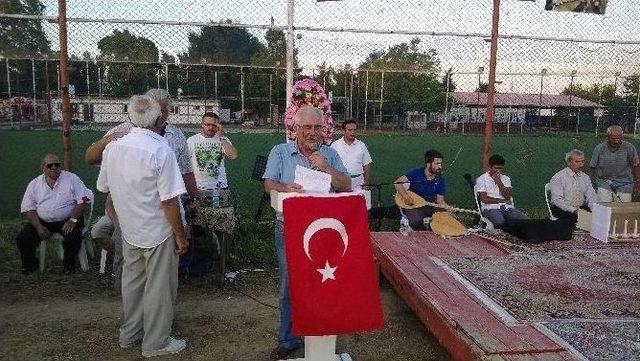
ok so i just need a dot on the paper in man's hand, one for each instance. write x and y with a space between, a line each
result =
312 181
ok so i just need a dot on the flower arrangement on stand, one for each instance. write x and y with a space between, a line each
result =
308 92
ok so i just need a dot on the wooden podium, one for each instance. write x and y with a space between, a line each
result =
319 348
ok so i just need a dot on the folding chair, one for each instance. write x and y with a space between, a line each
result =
547 190
57 238
259 167
483 222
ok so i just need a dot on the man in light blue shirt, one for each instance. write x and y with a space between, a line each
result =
307 151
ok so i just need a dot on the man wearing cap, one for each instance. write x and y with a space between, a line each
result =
428 183
354 154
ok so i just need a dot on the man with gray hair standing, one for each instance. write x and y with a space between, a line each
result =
614 164
571 189
141 173
106 228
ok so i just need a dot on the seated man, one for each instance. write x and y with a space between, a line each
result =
494 190
107 235
428 183
54 202
571 188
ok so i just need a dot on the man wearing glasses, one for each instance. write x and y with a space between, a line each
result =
54 202
307 151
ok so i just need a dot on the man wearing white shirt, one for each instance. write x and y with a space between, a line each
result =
571 188
106 230
54 202
207 150
494 190
354 154
141 173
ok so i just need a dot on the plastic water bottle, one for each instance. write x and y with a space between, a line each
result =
215 199
404 227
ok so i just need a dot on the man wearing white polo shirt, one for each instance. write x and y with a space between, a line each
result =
495 193
354 154
141 173
54 202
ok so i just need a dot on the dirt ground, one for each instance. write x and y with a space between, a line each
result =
52 316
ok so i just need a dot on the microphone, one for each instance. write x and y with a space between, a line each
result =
613 187
315 146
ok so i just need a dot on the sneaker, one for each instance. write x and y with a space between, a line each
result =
174 346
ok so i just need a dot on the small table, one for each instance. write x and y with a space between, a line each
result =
224 221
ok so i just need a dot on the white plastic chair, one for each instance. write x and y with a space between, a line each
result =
547 190
488 225
57 238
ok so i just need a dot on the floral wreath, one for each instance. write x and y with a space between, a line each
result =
308 92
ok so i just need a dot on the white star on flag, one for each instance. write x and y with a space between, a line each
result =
327 271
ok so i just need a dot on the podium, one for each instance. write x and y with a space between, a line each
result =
319 348
278 197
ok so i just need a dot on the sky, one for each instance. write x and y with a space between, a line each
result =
470 20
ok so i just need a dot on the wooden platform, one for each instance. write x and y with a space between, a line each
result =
464 320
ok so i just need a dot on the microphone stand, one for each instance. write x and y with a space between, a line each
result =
378 187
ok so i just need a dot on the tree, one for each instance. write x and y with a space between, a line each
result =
416 88
21 37
482 88
123 45
124 79
221 45
262 83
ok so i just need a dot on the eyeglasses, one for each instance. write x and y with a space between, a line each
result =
51 165
308 128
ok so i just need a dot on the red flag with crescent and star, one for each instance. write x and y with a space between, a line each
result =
332 278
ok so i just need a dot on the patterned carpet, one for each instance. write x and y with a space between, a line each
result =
601 340
560 283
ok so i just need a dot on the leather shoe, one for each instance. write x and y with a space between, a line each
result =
280 352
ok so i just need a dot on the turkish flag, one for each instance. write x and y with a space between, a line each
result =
332 279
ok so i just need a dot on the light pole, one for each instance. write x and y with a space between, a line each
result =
446 104
573 75
480 71
542 74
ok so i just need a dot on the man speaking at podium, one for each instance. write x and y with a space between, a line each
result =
307 151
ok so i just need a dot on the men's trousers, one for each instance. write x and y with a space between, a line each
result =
149 290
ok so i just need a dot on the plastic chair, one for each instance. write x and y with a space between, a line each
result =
547 190
57 238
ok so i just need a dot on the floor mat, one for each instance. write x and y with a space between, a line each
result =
603 340
562 284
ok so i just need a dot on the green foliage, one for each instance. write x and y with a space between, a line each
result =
122 79
420 90
262 83
123 45
223 45
21 37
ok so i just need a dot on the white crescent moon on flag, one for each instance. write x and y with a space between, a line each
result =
322 223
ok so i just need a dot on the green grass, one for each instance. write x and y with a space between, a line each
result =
531 161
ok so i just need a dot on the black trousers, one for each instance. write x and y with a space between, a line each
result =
561 214
28 240
416 216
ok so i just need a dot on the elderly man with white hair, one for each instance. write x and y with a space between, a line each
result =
614 165
141 173
106 229
571 188
309 152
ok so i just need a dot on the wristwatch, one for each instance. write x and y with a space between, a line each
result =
74 220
